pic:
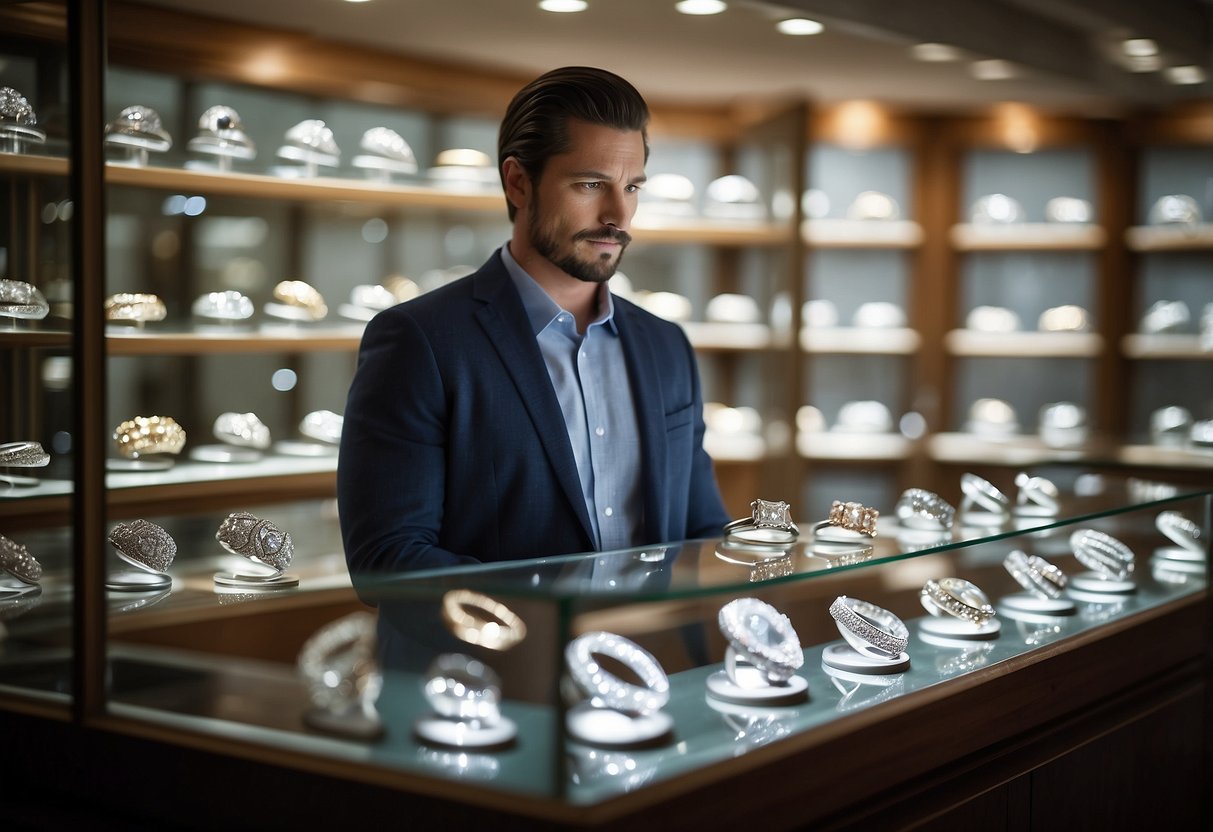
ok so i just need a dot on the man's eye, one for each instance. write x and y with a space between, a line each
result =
633 189
590 186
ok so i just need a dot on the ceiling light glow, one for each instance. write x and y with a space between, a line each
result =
563 6
992 70
701 6
934 52
1190 74
1140 47
799 26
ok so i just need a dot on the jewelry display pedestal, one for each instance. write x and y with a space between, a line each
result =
751 688
846 658
255 583
1027 603
227 454
456 733
138 580
1100 584
609 728
957 630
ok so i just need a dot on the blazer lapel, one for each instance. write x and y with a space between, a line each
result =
649 399
505 322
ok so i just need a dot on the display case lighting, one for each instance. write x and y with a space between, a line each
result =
701 7
563 6
1190 74
935 52
799 26
1140 47
993 69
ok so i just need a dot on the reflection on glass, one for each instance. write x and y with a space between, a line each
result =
862 690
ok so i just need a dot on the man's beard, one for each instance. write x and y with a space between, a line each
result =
598 270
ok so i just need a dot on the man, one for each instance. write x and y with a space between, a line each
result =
524 411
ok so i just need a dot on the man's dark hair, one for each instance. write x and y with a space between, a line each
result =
535 126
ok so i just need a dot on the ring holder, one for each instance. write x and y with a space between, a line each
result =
762 657
150 550
266 549
617 714
465 697
875 639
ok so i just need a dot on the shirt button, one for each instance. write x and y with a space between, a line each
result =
608 511
600 430
564 319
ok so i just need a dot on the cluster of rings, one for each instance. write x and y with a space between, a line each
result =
134 307
16 560
339 664
749 625
145 435
770 522
464 689
958 598
23 455
1035 574
22 300
921 509
144 545
1102 553
478 619
609 691
256 539
869 629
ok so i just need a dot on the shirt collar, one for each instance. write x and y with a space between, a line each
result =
541 310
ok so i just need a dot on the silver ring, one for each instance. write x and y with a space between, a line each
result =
763 636
22 300
1179 530
1035 574
244 430
226 306
24 455
16 560
609 691
462 688
323 426
958 598
922 509
871 630
256 539
338 662
144 545
769 522
1037 492
981 492
1102 553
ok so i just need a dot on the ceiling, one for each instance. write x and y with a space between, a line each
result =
1065 54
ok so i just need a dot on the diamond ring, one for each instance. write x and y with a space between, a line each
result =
256 539
478 619
297 301
762 636
980 493
134 307
223 307
926 510
607 690
144 435
1180 530
16 560
1035 574
1037 495
958 598
338 663
244 430
323 426
1102 553
144 545
869 629
462 688
22 300
851 517
24 455
770 522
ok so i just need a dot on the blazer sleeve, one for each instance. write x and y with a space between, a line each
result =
391 473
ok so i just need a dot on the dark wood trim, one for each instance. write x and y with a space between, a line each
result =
1116 189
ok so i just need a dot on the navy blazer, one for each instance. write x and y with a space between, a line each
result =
454 448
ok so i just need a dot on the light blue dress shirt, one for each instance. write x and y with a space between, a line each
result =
590 377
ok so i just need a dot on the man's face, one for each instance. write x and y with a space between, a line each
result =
583 202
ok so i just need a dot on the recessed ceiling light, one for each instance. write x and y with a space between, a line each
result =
563 6
1190 74
935 52
799 26
992 70
701 6
1140 47
357 1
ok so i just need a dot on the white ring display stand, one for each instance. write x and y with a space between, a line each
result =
296 447
455 733
1097 583
1026 602
956 629
1180 554
760 692
162 463
225 453
138 580
234 580
609 728
844 657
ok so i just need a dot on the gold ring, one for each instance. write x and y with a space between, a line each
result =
145 435
303 296
854 517
136 307
477 619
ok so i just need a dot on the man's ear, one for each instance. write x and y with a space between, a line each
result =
517 183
